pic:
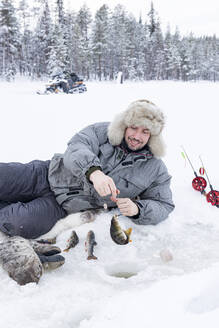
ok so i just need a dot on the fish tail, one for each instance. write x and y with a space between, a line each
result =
91 257
66 250
128 232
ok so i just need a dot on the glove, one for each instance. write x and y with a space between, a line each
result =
21 258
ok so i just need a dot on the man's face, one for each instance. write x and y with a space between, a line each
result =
136 137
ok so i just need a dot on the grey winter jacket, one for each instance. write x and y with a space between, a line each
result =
139 176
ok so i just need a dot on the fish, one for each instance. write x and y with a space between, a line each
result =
118 235
72 241
89 245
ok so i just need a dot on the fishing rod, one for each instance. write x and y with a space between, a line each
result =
213 195
198 183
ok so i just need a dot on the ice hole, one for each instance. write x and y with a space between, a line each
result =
123 270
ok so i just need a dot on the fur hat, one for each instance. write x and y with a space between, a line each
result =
140 113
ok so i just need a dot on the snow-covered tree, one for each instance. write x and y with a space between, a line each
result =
83 21
155 54
9 40
57 61
171 69
117 40
60 12
140 42
100 43
185 65
72 38
152 24
24 18
43 39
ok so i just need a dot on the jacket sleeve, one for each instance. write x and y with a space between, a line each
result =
83 149
155 203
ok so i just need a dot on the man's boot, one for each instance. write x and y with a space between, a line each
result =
48 254
51 262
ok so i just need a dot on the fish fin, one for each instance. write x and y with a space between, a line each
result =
128 232
91 257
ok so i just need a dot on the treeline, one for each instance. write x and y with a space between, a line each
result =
47 38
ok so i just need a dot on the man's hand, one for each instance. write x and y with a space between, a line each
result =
127 206
103 184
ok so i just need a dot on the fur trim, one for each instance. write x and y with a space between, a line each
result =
140 113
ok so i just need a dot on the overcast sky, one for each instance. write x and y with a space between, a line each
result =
198 16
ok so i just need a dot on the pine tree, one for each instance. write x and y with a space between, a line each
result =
72 42
60 10
155 51
211 61
9 40
83 21
130 58
100 42
24 18
171 57
43 39
152 26
57 61
140 44
185 65
117 43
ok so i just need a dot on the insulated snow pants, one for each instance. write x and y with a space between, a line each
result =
28 207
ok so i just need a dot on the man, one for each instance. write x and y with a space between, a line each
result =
114 164
70 78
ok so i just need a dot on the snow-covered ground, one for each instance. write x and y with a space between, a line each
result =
128 286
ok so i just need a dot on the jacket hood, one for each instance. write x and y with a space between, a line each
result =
140 113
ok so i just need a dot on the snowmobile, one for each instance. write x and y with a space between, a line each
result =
65 83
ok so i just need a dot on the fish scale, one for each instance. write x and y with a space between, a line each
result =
72 241
118 235
89 245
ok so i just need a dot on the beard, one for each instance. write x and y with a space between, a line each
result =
134 144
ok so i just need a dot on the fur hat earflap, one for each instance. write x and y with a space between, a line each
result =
140 113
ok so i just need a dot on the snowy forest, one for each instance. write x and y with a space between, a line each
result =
41 39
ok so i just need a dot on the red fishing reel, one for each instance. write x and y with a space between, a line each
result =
199 183
213 197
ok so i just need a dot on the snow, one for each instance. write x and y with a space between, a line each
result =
168 275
